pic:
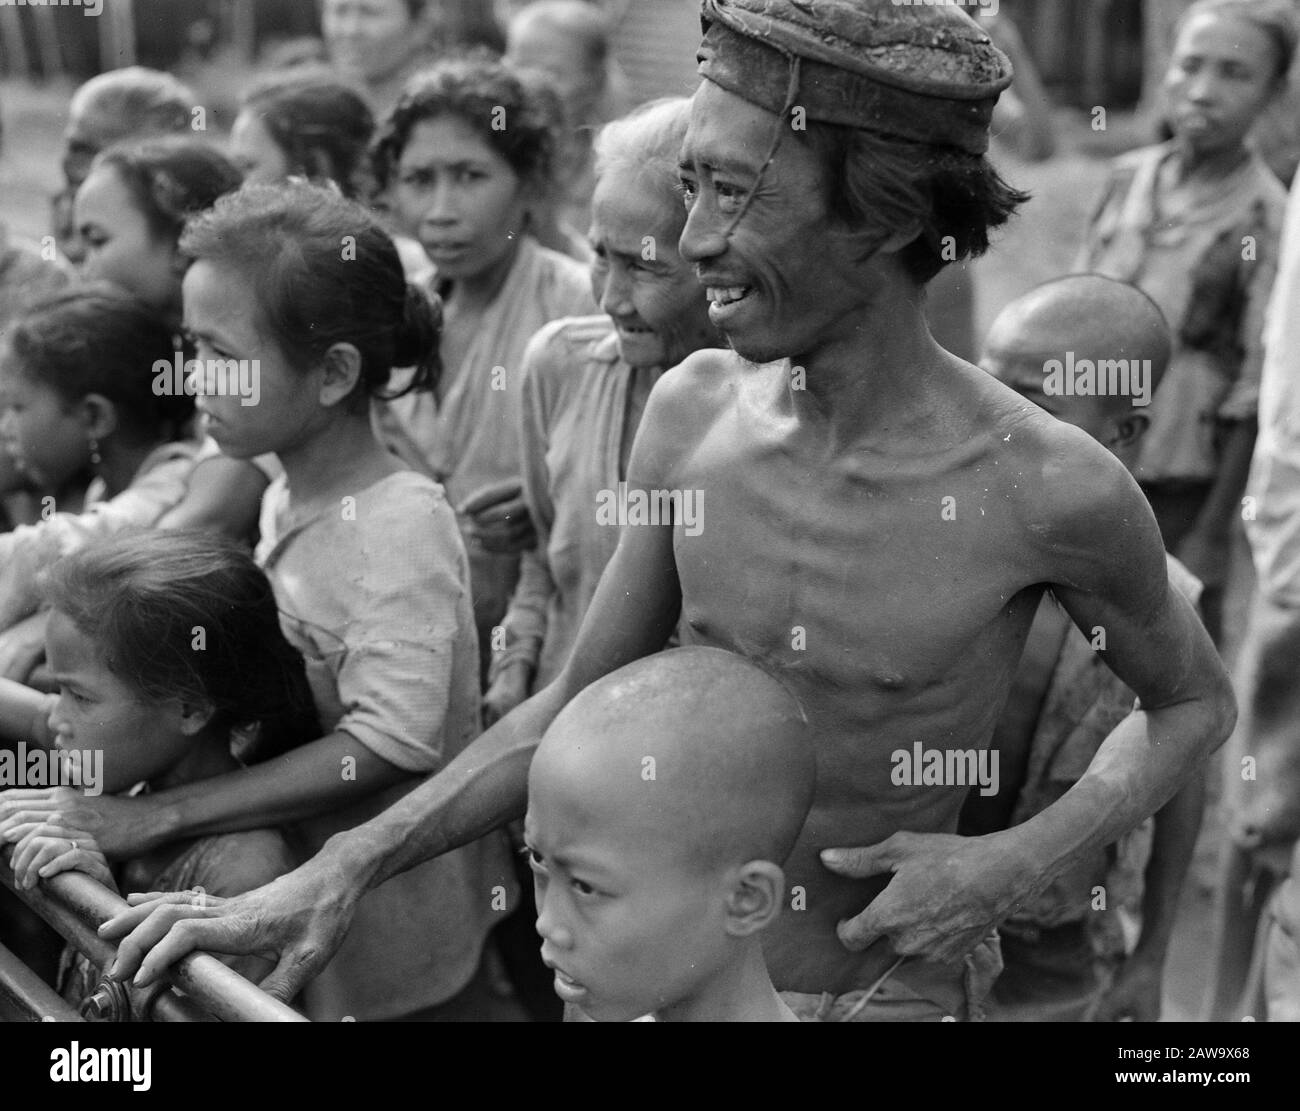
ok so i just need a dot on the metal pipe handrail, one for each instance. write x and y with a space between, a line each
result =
25 993
77 905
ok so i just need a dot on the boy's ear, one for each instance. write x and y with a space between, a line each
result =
342 367
99 415
757 892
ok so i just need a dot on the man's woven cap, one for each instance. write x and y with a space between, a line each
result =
921 72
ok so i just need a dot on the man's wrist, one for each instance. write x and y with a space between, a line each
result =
356 858
1023 863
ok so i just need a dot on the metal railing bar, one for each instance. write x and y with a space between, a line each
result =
25 994
76 906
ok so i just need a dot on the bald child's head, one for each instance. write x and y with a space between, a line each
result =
662 801
1088 349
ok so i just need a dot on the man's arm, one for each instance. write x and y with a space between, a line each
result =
304 916
1114 584
1138 985
632 614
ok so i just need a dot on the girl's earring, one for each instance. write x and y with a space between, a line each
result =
95 458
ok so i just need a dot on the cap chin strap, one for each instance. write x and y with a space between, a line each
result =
791 95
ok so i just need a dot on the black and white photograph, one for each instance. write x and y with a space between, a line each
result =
650 511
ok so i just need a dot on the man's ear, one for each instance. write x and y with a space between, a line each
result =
755 898
99 416
342 370
1129 429
867 243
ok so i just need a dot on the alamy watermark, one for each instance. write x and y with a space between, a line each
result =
52 767
624 506
982 7
1098 378
945 767
88 7
241 378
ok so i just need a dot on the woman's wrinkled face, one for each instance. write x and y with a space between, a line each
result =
371 39
459 197
638 276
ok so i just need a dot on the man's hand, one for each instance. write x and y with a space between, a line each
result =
22 647
298 921
117 825
47 849
947 894
1135 993
499 518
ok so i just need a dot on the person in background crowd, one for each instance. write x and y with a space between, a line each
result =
303 125
1194 223
77 375
1065 954
466 189
1261 766
116 107
586 383
568 43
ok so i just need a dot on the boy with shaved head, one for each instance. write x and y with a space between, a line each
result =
1063 953
661 803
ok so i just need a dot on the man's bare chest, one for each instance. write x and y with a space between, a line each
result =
866 580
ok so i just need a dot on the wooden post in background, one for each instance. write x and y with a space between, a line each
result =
17 62
117 34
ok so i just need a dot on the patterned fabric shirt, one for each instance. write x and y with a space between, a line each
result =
1210 268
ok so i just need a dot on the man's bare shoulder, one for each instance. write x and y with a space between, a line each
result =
685 403
1080 506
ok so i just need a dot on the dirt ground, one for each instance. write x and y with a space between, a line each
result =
1040 244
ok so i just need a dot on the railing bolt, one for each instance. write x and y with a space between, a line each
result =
107 1003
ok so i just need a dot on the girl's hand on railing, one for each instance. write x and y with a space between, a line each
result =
47 849
116 823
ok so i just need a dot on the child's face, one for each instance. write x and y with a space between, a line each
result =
38 428
221 314
120 246
459 198
370 38
255 154
1220 79
96 710
627 926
